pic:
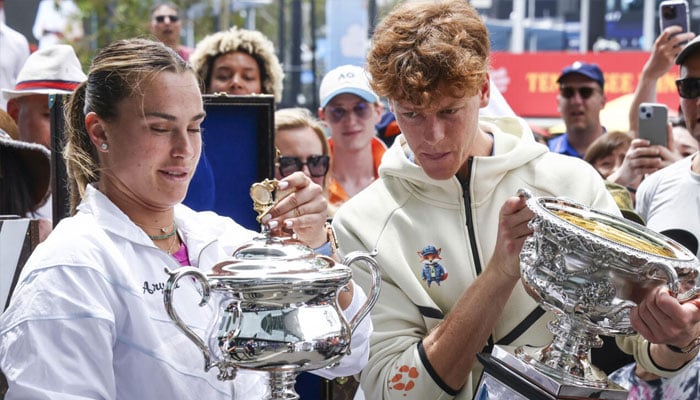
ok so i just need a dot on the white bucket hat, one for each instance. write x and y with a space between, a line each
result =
37 161
52 70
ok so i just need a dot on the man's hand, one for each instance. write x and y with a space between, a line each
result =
512 232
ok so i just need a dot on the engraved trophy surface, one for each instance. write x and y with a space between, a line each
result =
276 303
589 268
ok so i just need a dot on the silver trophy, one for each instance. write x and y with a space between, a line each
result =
589 268
277 306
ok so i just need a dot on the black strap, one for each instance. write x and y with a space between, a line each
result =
522 327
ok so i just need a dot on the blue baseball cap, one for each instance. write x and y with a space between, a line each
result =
591 71
429 249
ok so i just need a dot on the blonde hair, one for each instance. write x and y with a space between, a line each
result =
253 43
117 73
296 118
420 45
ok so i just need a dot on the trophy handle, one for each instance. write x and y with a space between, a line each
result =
373 294
671 276
168 299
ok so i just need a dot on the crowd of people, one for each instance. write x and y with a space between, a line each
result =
414 156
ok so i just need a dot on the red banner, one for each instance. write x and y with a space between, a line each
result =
528 81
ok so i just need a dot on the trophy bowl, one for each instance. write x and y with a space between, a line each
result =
276 310
590 268
275 303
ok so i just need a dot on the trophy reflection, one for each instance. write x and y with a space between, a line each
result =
276 303
589 268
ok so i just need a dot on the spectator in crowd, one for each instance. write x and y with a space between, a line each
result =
581 98
668 201
52 70
447 189
57 21
301 143
642 158
55 70
133 140
684 144
663 195
607 154
15 50
24 175
236 62
661 60
166 26
351 110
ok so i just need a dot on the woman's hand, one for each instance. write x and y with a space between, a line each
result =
303 210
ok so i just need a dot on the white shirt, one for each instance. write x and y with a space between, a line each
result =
669 201
15 50
87 318
57 16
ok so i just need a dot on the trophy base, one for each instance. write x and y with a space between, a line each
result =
507 376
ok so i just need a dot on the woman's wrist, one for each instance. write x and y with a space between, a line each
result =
330 247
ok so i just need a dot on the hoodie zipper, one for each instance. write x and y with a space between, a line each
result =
536 313
466 187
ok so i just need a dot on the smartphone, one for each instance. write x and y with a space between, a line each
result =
653 123
674 12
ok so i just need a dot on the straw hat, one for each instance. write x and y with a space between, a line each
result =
37 160
52 70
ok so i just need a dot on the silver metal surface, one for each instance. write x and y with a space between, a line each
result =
277 310
590 268
518 363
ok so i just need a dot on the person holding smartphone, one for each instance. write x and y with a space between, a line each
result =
668 201
642 158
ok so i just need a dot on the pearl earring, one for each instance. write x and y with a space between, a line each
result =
104 146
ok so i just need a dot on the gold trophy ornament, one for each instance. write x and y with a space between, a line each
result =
265 195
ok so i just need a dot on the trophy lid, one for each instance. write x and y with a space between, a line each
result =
277 262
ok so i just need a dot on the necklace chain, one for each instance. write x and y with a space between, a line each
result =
172 245
165 235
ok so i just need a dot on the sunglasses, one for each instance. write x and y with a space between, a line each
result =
317 164
161 18
361 110
688 88
584 91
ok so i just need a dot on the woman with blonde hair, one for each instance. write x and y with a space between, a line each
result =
302 145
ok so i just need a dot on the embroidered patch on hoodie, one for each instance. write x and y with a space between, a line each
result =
432 270
403 379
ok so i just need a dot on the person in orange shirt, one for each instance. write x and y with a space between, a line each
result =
351 110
